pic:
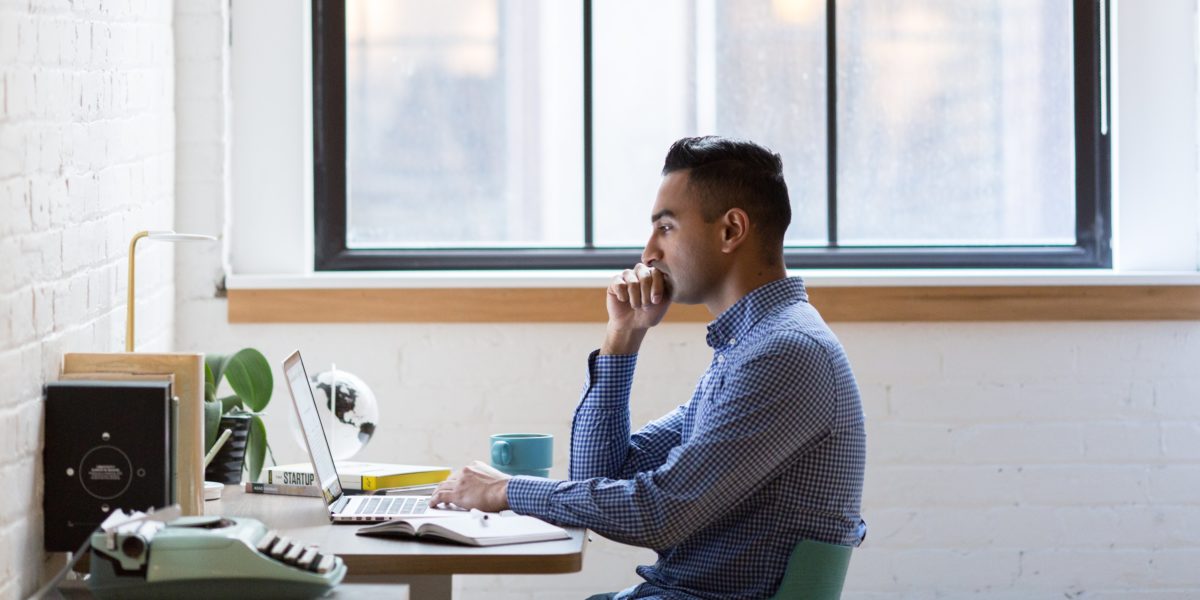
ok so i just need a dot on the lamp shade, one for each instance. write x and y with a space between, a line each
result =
162 236
171 236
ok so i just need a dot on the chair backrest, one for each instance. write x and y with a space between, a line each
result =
816 571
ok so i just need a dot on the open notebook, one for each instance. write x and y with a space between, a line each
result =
493 530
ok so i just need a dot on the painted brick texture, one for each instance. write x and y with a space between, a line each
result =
1022 485
1027 460
87 144
1005 461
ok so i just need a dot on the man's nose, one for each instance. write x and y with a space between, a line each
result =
651 253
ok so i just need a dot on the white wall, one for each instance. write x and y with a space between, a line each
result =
1017 460
1156 214
87 152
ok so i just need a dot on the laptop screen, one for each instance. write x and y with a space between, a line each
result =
314 431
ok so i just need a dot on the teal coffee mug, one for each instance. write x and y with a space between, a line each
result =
523 453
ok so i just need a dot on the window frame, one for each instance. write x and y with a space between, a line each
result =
1093 189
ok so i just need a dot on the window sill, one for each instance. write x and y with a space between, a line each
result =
842 296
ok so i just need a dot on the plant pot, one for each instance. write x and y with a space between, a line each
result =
226 466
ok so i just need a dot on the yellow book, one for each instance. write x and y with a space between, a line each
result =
365 476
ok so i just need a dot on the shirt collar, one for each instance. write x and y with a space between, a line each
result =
730 326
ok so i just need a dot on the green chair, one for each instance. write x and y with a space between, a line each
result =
816 571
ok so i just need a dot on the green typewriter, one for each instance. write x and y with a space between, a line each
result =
146 556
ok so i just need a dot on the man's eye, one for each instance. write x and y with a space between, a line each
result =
665 228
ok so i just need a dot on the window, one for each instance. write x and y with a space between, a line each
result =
917 133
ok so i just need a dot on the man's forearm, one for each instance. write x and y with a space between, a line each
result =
622 341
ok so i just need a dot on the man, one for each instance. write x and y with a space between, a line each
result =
770 449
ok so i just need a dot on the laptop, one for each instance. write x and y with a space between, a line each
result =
343 507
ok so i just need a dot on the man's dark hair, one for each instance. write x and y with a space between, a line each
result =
728 173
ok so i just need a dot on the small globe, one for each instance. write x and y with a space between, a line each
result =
349 415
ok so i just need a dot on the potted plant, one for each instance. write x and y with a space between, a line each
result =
249 377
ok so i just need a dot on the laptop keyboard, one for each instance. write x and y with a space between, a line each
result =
395 505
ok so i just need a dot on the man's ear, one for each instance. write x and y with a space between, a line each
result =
735 229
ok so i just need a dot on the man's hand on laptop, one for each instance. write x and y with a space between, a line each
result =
477 485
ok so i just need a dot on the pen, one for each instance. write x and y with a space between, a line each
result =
217 446
482 516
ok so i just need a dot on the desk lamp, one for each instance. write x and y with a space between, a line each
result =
162 236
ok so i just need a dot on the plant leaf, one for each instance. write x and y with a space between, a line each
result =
229 403
210 383
212 421
249 375
256 447
217 362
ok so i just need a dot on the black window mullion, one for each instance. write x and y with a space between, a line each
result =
589 240
1093 225
831 156
329 134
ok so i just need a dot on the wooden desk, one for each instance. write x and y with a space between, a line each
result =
77 590
427 567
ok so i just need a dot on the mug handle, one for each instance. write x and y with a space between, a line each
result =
501 453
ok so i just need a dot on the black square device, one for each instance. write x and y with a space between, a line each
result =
107 447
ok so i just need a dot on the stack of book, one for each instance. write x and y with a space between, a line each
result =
298 479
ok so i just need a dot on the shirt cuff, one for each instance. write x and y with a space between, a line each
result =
605 362
531 495
612 374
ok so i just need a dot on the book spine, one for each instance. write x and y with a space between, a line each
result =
351 482
254 487
300 478
291 478
371 482
171 461
366 483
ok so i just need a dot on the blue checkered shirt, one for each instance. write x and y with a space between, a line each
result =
769 451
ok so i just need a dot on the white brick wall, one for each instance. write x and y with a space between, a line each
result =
1006 460
1023 460
1026 460
1039 450
87 144
1018 485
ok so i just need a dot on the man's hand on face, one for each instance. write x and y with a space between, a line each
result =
638 299
477 485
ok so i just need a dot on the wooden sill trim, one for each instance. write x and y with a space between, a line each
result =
837 304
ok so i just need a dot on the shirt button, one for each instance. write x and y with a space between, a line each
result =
720 358
732 342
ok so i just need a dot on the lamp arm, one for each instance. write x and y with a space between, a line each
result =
129 304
